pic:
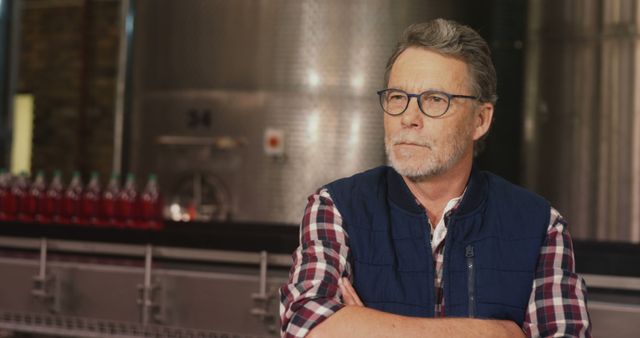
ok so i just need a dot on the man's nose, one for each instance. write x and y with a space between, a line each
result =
412 117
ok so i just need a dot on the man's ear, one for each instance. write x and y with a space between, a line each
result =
483 120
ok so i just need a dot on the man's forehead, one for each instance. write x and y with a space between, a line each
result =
416 59
422 66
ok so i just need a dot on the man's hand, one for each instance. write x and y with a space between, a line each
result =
349 295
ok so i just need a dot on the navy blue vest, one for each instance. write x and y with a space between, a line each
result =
492 246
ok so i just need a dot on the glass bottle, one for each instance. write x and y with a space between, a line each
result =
52 208
34 199
109 198
126 203
90 210
8 204
20 190
71 200
151 205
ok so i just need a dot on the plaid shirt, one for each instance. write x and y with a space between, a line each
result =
557 307
438 236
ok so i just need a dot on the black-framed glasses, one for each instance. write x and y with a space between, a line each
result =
432 103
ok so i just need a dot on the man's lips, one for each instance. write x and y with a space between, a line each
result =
411 144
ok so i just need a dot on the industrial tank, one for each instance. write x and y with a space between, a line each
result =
582 122
247 107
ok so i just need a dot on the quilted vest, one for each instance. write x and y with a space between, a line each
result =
491 252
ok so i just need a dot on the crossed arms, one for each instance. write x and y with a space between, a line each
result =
355 320
318 302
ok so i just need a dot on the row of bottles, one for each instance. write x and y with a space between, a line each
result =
113 206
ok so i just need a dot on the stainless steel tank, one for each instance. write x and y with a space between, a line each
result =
582 121
216 82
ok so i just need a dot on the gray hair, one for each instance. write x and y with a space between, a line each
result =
450 38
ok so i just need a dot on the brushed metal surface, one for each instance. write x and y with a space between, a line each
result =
235 68
138 251
205 297
15 293
582 128
99 300
614 319
612 282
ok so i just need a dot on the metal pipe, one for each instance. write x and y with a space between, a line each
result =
223 256
118 126
612 282
532 104
197 192
86 56
263 273
42 274
635 149
146 289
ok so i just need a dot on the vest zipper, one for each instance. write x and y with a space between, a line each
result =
429 247
429 233
471 290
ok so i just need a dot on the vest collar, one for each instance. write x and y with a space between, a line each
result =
473 198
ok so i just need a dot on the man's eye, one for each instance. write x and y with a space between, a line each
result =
435 99
396 97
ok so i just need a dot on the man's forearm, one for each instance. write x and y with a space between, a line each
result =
357 321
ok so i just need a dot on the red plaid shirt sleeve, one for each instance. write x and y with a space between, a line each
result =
558 306
311 295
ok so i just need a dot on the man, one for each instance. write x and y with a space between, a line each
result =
432 247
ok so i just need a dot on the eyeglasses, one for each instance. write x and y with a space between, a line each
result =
432 103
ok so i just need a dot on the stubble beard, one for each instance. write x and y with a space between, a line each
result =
418 165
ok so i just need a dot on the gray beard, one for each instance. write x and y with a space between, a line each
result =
432 166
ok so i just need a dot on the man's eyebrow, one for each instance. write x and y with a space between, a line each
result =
430 89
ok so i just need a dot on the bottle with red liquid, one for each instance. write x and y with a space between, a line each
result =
8 204
71 199
151 205
90 203
52 204
109 198
20 191
127 203
34 199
